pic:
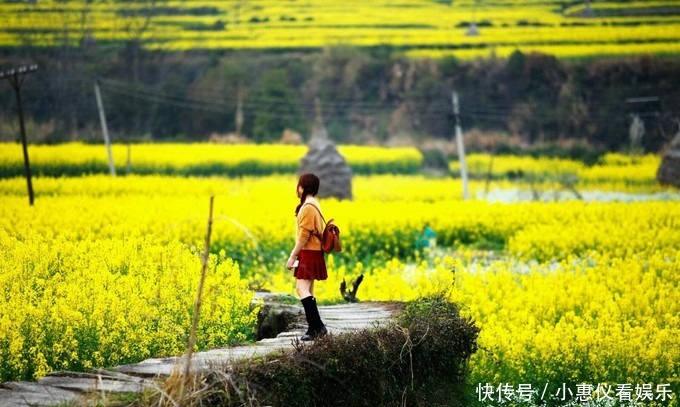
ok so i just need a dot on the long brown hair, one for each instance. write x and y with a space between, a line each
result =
310 186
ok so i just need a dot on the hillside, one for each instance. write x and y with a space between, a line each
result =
420 28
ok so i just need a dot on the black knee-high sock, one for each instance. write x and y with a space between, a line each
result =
307 305
312 313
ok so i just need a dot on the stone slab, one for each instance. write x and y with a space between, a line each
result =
17 394
88 385
59 388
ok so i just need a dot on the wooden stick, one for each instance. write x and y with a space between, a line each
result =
197 304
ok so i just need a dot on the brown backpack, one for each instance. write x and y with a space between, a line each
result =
330 238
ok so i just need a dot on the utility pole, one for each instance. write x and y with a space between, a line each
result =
239 111
105 130
16 78
460 146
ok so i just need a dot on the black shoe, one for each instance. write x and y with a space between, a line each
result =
310 336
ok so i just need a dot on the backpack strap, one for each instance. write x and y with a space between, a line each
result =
318 210
321 214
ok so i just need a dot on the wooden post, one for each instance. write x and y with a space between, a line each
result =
197 304
105 130
128 164
460 146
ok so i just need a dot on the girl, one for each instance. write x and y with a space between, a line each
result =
307 258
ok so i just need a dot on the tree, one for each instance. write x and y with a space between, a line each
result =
135 23
278 107
535 81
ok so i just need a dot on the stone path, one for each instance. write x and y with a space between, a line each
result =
69 388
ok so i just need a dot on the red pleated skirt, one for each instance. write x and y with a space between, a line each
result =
312 265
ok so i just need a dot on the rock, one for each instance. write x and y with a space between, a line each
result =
669 170
324 160
95 384
271 321
472 30
34 394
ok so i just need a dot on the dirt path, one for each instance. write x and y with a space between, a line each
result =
60 388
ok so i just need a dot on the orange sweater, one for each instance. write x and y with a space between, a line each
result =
308 227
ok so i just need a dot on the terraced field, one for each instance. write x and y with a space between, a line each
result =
421 28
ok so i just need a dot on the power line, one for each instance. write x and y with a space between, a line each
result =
254 98
279 108
207 100
251 104
427 105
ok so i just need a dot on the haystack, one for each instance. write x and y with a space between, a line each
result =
324 160
669 170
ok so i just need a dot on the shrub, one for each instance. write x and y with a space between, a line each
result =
435 159
421 359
